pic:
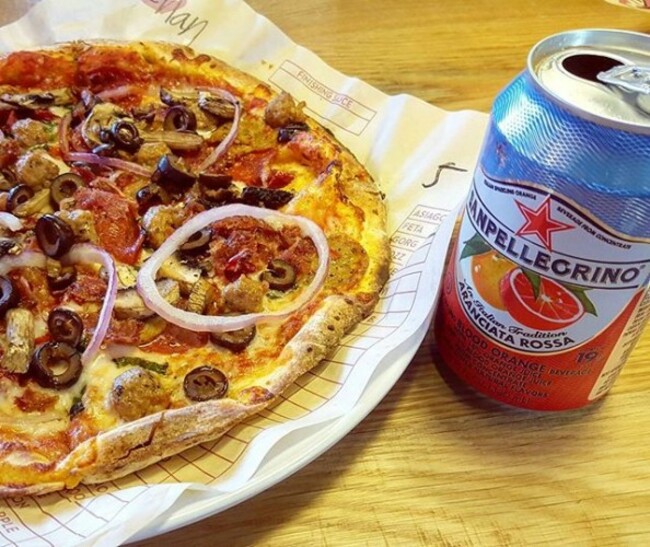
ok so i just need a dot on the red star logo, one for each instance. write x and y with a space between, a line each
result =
539 222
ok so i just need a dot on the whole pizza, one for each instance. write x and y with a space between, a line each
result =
178 243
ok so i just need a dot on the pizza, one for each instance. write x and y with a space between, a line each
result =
178 243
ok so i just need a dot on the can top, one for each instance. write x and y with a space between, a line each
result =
601 75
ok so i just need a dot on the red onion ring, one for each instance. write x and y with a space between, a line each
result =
10 221
64 126
230 137
117 163
87 253
26 259
146 283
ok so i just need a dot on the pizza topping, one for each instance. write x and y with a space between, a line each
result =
265 197
128 302
175 140
8 295
244 295
39 100
65 326
197 241
235 340
107 161
96 127
62 279
125 135
285 134
29 132
37 203
82 223
280 275
10 221
179 118
171 175
150 196
20 338
18 195
136 393
56 365
205 383
114 221
223 146
64 186
54 236
86 253
240 296
283 110
153 366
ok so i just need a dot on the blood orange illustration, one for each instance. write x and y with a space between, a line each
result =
549 306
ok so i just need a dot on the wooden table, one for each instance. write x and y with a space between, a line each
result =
435 464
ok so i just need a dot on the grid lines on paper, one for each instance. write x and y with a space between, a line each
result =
70 514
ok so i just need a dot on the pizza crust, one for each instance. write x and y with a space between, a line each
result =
133 446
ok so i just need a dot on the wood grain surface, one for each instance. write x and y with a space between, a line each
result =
434 463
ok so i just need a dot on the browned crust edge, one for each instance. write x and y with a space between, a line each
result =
133 446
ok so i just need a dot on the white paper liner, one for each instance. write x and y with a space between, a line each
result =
422 158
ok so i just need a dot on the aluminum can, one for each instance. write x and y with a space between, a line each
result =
545 293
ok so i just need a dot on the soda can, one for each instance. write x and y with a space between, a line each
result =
545 293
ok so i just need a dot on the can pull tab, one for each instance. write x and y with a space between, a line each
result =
635 79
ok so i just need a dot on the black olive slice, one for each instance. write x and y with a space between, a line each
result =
50 357
198 240
65 278
65 326
64 186
280 275
18 195
8 295
179 118
235 340
205 383
171 175
265 197
54 236
126 136
214 181
149 196
6 246
285 134
103 149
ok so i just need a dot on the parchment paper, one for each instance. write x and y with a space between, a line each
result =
422 158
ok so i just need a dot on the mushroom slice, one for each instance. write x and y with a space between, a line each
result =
129 304
101 118
176 140
20 338
38 100
173 268
216 105
127 276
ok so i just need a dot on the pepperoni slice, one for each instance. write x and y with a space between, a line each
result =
115 223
